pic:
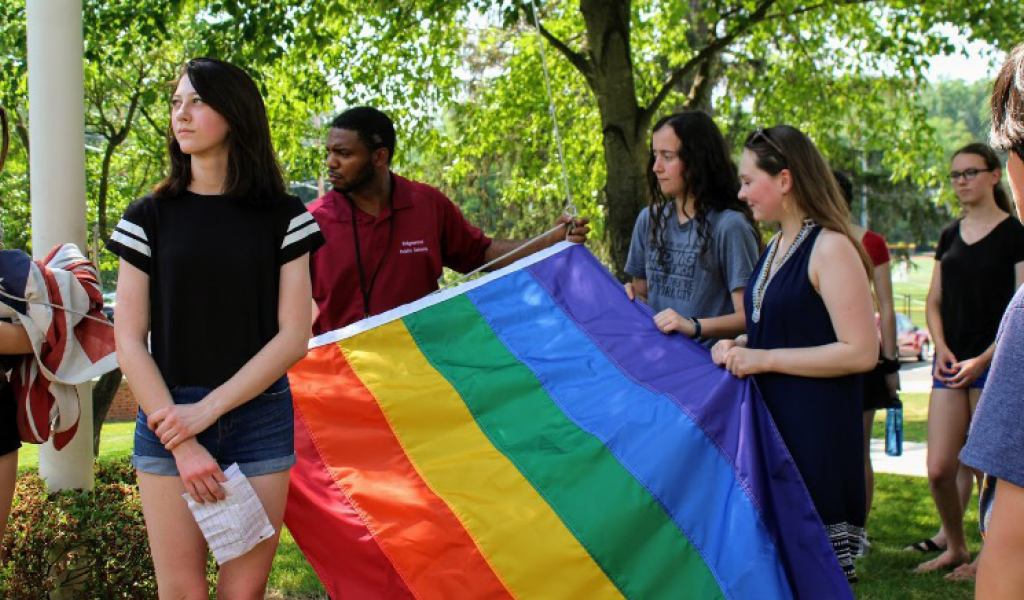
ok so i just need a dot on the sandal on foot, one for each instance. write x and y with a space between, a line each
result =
924 546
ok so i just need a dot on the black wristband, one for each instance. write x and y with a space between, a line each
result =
888 366
696 327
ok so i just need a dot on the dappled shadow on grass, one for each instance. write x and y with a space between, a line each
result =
903 512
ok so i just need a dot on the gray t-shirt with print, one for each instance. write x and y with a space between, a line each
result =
995 444
694 286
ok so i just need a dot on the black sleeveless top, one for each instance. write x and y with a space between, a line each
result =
819 418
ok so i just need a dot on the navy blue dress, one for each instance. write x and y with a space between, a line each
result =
819 418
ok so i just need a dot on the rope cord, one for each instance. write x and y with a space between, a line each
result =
56 306
570 207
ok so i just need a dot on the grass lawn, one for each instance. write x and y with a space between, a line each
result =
902 512
909 295
292 578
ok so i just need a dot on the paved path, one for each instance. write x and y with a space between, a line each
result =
912 462
915 377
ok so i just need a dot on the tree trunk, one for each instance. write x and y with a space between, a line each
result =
20 128
627 191
623 123
5 145
102 397
101 200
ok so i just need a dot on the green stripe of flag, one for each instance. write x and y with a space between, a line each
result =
613 516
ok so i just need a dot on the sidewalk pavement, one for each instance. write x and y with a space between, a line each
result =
914 378
912 462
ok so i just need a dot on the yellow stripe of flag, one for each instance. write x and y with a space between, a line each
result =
523 539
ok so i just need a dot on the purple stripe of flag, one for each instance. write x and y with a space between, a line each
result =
682 370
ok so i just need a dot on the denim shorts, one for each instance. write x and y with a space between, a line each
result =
977 384
258 435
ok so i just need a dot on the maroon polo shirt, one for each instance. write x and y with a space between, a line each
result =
427 232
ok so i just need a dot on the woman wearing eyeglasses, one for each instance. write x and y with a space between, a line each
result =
810 325
979 265
694 247
996 442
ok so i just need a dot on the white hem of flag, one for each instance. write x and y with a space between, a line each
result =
434 298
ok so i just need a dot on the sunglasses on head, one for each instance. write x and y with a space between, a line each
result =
762 133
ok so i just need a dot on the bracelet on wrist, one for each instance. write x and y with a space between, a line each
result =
888 366
696 327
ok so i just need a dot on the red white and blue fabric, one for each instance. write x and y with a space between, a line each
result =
68 349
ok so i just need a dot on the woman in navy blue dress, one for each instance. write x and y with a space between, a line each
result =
810 325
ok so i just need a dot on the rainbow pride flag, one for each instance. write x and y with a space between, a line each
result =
531 435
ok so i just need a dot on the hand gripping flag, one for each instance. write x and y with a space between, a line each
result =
69 349
532 435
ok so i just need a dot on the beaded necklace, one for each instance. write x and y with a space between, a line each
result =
765 276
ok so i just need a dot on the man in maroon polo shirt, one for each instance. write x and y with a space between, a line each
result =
388 237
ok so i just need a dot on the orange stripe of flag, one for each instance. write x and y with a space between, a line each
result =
425 541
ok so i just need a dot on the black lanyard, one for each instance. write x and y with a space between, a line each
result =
368 291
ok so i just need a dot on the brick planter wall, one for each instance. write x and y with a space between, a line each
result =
124 407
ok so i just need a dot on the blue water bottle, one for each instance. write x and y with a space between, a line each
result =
894 428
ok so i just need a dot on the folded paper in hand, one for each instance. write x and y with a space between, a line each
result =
234 525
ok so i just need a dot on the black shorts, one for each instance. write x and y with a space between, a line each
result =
876 394
9 438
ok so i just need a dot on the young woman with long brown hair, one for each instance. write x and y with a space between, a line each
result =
213 307
810 325
694 247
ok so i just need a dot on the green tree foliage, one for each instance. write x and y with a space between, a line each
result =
463 79
14 205
956 113
849 73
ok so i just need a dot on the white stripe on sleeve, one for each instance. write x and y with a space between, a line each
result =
130 242
299 221
301 234
133 229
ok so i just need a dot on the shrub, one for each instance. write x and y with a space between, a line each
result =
93 544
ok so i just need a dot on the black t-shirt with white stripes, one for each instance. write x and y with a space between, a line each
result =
214 266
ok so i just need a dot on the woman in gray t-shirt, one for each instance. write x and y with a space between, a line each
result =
694 247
